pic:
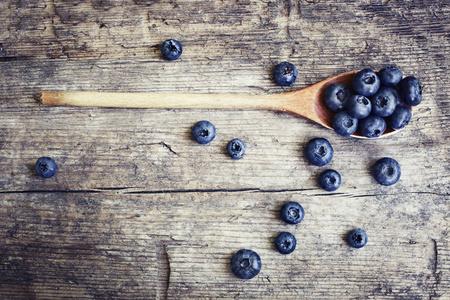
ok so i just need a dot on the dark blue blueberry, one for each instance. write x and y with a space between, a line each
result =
203 132
386 171
236 148
359 106
390 76
410 91
400 117
336 96
366 83
330 180
171 49
318 151
373 126
285 73
46 167
245 264
285 243
384 101
357 238
292 212
344 124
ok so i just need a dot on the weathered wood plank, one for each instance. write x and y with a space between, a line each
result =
103 245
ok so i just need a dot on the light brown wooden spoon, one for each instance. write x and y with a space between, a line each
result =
306 103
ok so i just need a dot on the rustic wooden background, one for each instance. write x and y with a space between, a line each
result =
138 210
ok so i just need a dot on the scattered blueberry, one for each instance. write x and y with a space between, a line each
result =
386 171
373 126
357 238
390 75
410 90
400 117
336 96
384 101
292 212
318 151
203 132
285 243
344 124
330 180
245 264
236 148
46 167
285 73
171 49
366 82
358 106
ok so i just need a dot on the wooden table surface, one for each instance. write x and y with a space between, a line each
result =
138 210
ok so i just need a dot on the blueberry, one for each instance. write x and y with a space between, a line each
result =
236 148
330 180
400 117
292 212
365 82
285 243
336 95
203 132
410 90
344 124
386 171
373 126
357 238
318 151
384 101
245 264
171 49
46 167
390 75
358 106
285 73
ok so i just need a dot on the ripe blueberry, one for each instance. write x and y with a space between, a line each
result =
336 96
171 49
318 151
46 167
292 212
373 126
357 238
390 75
410 90
285 243
245 264
365 82
358 106
384 101
285 73
236 148
400 117
344 124
203 132
330 180
386 171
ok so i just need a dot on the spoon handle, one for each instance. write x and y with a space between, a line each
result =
160 100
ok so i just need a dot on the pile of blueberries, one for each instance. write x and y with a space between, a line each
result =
373 102
385 95
378 100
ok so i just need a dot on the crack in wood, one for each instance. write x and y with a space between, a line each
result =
435 273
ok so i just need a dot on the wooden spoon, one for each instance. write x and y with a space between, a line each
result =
306 103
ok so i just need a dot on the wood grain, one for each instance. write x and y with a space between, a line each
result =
138 210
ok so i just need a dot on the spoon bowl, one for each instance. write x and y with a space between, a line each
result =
307 103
